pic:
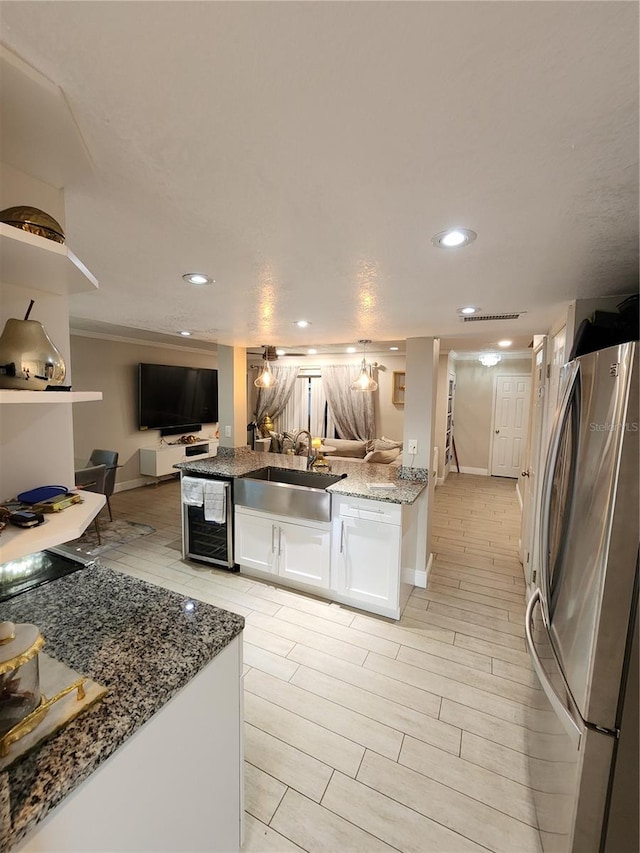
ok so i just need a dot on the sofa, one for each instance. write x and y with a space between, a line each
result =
383 450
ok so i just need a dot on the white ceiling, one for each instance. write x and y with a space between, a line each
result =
303 155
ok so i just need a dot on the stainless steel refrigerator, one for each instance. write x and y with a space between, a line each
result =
581 622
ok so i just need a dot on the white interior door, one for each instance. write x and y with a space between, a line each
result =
533 464
510 421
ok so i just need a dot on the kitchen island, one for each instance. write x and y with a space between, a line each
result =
155 764
361 479
369 553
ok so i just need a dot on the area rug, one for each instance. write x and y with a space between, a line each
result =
112 534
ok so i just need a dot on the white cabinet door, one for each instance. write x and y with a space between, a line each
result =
159 461
367 561
256 542
304 554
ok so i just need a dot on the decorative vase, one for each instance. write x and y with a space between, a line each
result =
29 360
266 426
34 220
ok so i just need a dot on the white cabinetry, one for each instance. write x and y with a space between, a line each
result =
158 461
255 535
175 785
366 558
304 553
298 551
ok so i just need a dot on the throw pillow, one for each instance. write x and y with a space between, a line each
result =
384 456
289 441
276 442
281 442
386 444
347 447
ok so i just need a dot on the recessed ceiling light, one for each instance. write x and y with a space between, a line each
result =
351 349
301 324
281 352
185 334
312 351
468 310
394 349
197 278
453 238
504 343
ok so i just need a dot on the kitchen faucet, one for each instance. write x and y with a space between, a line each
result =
311 457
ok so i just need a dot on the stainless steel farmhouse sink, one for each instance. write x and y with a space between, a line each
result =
299 494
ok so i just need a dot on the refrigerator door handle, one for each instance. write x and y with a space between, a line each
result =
547 485
573 728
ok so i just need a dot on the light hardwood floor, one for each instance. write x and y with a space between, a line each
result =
364 734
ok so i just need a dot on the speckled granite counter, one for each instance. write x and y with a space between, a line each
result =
136 639
235 462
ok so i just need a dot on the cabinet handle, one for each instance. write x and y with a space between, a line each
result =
273 530
279 541
341 536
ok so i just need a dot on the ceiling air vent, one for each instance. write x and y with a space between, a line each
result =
475 318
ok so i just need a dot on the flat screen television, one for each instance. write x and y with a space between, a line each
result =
176 399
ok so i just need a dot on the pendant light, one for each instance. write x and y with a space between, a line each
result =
489 359
365 381
266 378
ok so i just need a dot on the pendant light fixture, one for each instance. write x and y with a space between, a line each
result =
489 359
365 381
266 378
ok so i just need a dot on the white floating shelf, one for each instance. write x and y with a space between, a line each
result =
11 396
27 260
58 527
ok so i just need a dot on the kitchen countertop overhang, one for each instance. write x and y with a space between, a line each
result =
141 641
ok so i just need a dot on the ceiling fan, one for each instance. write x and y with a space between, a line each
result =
269 353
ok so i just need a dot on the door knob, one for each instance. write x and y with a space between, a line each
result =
497 431
525 473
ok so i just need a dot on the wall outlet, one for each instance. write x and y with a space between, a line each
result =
227 431
412 446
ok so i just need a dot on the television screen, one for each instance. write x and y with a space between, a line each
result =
172 397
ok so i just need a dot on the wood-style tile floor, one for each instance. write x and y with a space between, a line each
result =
364 734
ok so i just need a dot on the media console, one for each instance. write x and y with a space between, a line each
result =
158 461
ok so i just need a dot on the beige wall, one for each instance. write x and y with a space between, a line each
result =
474 409
112 424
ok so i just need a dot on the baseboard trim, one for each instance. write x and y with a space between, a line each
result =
440 481
133 484
144 481
483 472
416 577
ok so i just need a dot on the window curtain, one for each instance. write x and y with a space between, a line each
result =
319 411
353 411
295 415
272 401
307 409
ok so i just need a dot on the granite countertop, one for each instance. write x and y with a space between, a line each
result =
139 640
235 462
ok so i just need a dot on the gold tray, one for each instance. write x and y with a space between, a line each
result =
51 714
